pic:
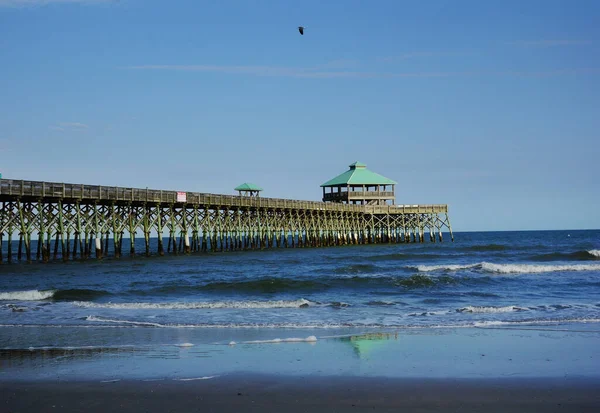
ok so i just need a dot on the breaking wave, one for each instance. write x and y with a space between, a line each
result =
534 268
445 267
494 323
510 268
29 295
479 310
381 303
199 305
63 295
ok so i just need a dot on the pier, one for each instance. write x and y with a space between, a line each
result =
76 221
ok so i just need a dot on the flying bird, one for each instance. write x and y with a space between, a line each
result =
301 30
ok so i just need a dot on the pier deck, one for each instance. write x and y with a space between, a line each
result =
215 222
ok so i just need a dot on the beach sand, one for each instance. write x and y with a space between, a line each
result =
273 393
463 370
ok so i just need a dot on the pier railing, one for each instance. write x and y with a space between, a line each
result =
345 195
51 191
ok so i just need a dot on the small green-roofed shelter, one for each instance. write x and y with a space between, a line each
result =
359 185
248 189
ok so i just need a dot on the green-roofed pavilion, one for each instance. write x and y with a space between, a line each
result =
248 189
359 185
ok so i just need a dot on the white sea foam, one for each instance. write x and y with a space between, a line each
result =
29 295
428 313
536 268
184 345
15 308
198 305
449 267
536 322
309 339
197 378
134 323
511 268
595 253
291 326
476 309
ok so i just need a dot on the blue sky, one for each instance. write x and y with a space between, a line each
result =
492 107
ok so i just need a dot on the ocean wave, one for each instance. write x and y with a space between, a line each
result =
420 280
492 309
428 313
129 322
15 308
28 295
535 268
404 256
200 305
484 248
356 269
291 326
533 322
510 268
78 294
445 267
279 285
99 322
591 255
483 309
264 285
381 303
560 306
307 284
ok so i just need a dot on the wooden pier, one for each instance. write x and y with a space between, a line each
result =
81 219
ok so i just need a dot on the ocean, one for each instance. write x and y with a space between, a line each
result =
533 279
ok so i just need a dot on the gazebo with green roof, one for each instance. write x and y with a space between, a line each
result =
358 185
248 189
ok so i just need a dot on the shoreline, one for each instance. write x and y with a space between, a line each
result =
252 392
424 354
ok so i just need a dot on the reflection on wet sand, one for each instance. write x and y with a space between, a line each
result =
41 354
365 344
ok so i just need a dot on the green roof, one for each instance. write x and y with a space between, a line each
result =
246 186
358 174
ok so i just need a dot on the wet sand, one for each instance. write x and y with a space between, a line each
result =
266 393
463 370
